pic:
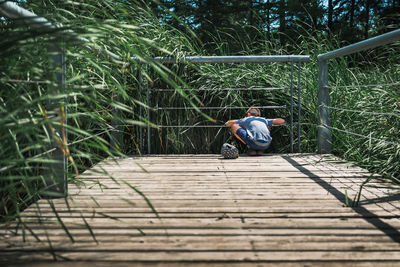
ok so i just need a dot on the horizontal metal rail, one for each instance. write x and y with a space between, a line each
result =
203 126
220 89
364 85
90 137
365 136
23 81
363 45
233 59
362 112
208 108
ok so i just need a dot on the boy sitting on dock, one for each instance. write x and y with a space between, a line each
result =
254 131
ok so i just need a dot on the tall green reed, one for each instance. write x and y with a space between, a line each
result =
99 90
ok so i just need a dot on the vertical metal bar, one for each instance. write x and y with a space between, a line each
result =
324 134
55 176
148 118
298 108
140 80
291 107
116 142
65 105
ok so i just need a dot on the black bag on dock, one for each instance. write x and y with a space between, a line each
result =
229 151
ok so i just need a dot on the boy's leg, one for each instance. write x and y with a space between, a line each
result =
235 127
261 151
241 134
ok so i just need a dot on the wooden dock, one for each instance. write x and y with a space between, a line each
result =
288 210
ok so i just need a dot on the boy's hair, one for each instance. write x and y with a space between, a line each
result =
254 112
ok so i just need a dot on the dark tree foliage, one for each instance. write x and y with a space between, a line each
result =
351 20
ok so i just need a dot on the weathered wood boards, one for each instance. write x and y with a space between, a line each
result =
271 210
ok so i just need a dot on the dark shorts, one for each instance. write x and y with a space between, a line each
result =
249 142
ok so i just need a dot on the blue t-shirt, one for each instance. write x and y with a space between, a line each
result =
257 128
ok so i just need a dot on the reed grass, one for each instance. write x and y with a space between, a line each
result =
100 91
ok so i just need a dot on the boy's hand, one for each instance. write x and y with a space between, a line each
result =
230 123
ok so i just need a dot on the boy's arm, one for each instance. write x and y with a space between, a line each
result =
278 121
230 123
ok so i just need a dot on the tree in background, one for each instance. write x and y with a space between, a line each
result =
351 20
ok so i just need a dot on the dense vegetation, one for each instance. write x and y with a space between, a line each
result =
280 20
102 94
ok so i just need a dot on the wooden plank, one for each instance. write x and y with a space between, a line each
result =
89 203
339 263
242 195
218 215
134 232
223 204
259 211
359 263
241 244
209 169
213 223
211 256
374 242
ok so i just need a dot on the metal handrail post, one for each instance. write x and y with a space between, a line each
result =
140 80
324 133
55 175
148 117
291 107
298 108
116 142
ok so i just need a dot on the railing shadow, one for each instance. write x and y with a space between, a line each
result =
385 199
367 215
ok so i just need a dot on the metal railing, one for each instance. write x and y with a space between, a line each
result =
292 59
324 127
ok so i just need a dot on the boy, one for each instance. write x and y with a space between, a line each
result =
254 131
